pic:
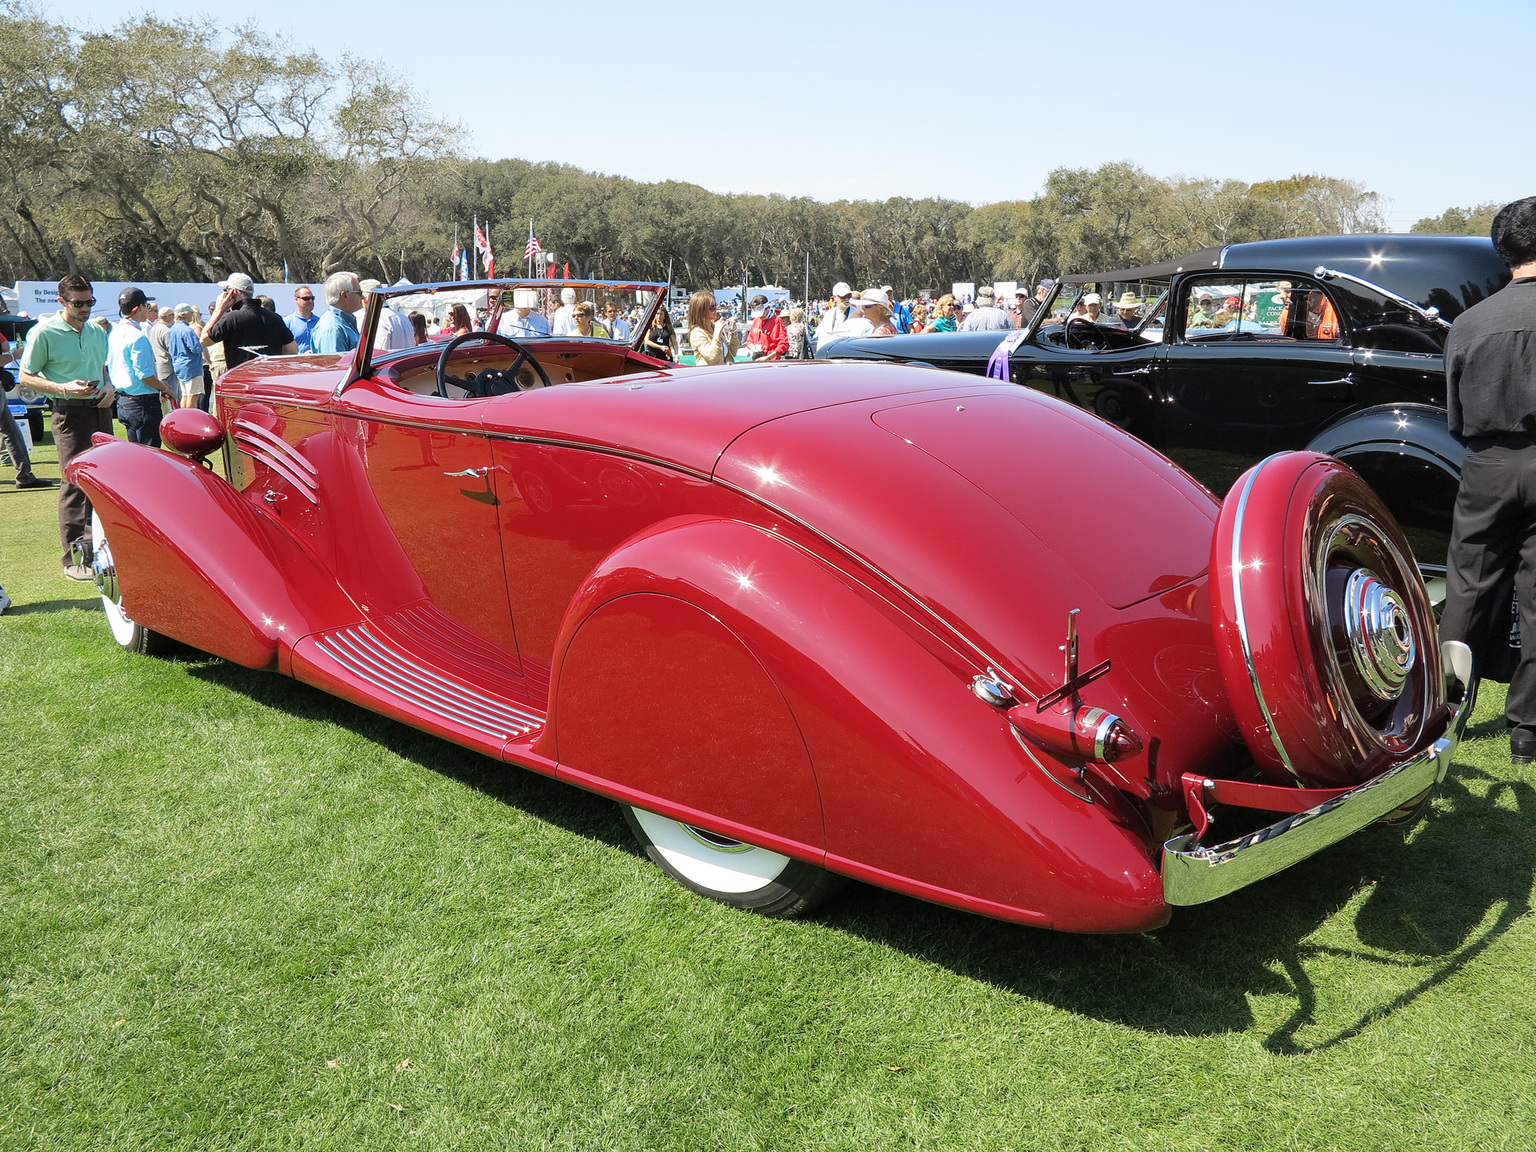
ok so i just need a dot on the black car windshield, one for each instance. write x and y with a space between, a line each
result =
1135 305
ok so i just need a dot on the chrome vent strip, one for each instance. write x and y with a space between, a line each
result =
278 444
258 450
366 656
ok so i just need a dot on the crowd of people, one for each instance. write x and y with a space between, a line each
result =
157 357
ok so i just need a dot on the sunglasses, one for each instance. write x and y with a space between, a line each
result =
303 299
91 303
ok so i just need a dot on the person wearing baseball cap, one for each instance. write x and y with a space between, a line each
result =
246 329
131 368
836 319
767 333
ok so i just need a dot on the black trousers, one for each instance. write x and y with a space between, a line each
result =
73 425
1492 534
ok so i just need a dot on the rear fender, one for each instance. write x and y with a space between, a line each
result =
921 786
197 562
1406 453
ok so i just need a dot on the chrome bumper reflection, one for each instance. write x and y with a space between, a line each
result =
1193 875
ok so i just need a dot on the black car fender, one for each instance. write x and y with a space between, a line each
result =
1407 454
1417 430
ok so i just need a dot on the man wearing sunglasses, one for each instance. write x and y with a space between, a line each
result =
66 359
302 320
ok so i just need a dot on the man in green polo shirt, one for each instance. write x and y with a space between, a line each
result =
66 359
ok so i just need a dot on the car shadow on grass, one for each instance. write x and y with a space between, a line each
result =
582 813
1417 906
27 609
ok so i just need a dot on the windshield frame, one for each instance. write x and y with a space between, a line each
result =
379 297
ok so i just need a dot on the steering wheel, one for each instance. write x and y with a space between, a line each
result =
488 381
1086 336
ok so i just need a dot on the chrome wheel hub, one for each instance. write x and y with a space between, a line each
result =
103 571
1380 633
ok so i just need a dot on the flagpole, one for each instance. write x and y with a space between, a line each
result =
474 252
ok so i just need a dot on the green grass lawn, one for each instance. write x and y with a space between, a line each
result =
238 914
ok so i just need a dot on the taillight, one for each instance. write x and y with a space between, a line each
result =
1077 732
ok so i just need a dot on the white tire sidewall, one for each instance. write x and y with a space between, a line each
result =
736 871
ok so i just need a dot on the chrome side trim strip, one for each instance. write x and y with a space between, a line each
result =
1193 874
453 694
465 696
369 658
1242 620
364 662
1084 795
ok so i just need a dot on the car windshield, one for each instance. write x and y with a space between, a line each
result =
610 311
1131 304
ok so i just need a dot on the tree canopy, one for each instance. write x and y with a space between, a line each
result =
178 149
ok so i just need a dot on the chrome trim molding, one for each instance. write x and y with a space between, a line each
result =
1193 874
1242 622
1084 795
369 658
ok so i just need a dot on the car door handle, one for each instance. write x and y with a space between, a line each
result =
1144 370
1341 389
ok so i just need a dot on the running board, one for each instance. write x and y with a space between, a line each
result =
361 664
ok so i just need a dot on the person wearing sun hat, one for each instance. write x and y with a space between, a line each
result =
1128 309
875 310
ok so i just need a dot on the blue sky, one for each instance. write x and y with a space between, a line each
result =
1422 103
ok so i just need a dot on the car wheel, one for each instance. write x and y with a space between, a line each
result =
753 879
130 636
1324 632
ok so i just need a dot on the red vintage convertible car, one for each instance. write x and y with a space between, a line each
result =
807 621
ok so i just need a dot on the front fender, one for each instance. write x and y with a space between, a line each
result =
197 562
922 787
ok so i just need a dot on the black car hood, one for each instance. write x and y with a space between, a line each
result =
937 348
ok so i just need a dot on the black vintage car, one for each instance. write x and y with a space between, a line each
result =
1332 343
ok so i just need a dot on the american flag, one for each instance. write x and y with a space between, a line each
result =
534 247
487 257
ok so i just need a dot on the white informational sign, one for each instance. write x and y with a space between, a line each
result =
963 291
1004 290
41 297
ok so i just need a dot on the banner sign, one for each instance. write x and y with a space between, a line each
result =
41 297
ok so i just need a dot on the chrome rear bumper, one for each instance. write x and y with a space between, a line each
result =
1193 874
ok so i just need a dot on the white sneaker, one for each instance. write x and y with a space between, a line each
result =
5 601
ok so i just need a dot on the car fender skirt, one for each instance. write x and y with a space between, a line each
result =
198 563
733 676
